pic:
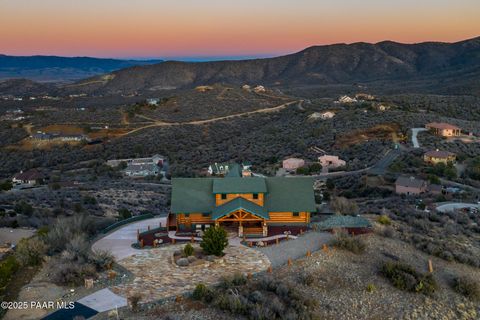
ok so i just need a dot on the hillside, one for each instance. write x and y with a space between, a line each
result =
429 66
52 68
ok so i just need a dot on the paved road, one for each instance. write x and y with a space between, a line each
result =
294 249
449 207
119 242
415 132
381 166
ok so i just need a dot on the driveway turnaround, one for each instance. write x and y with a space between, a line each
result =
415 132
119 242
449 207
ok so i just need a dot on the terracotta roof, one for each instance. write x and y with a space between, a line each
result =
439 154
410 182
442 125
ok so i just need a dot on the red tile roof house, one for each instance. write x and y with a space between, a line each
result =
443 129
410 186
29 177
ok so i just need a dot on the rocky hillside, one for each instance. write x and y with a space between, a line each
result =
451 67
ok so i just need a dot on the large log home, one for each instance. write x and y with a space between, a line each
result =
246 204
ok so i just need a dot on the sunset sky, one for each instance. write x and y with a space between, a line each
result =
248 28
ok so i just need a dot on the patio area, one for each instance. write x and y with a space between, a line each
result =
158 277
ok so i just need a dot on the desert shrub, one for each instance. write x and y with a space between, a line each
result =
188 250
102 260
350 243
67 272
23 207
371 288
341 205
8 267
405 277
306 277
384 219
134 300
467 287
214 241
65 229
30 252
237 279
203 293
124 213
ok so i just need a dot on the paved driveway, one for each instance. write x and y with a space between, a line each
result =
294 249
449 207
119 242
415 132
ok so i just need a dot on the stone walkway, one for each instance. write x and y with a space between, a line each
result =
157 277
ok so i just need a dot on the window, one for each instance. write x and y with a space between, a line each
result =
187 215
255 196
224 196
296 214
205 214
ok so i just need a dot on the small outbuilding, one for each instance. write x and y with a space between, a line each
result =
292 164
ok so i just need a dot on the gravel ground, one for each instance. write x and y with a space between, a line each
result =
294 249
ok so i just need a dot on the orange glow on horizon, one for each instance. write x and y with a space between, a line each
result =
150 28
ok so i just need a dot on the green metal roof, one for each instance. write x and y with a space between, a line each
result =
281 194
192 195
334 222
239 185
293 194
237 204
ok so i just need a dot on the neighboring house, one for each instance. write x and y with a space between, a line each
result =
410 186
142 167
41 136
247 204
322 115
364 97
352 224
346 99
153 101
30 177
142 170
73 137
259 88
328 161
223 169
443 129
292 164
436 156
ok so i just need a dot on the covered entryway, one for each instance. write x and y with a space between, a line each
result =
248 217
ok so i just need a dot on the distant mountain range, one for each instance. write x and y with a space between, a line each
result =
52 68
434 67
442 67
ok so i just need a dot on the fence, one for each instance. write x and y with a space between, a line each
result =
127 221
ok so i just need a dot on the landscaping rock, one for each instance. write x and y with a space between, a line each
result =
210 258
183 262
191 259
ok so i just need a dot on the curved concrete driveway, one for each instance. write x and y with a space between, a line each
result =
415 132
119 242
449 207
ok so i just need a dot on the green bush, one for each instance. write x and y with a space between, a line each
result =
7 268
124 214
385 220
30 252
350 243
214 241
203 293
188 250
467 287
405 277
371 288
